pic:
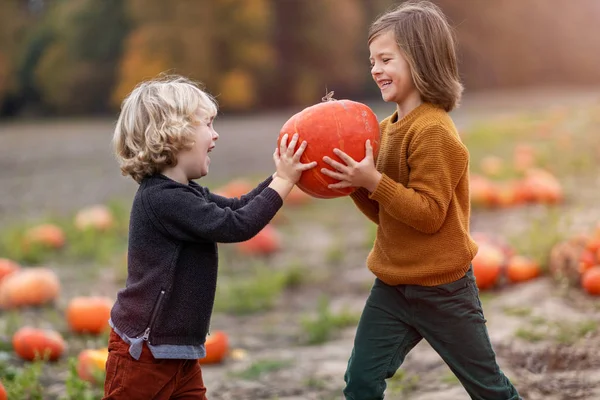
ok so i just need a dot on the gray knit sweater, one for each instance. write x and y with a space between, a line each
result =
172 256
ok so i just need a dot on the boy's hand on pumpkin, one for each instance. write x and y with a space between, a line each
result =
353 173
287 161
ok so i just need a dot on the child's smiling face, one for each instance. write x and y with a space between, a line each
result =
390 70
195 161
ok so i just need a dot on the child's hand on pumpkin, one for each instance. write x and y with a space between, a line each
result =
354 173
288 162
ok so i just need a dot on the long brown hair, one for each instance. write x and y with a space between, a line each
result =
427 41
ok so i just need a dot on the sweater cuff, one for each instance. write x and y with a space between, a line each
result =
385 191
272 197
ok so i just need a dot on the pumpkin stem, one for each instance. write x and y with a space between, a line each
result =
328 97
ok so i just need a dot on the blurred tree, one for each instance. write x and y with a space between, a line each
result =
321 46
224 44
74 76
14 21
166 37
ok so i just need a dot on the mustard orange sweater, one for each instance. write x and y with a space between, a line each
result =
421 205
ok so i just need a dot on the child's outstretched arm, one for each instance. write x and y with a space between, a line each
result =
179 211
233 202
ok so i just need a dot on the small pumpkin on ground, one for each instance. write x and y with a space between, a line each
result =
217 347
590 281
45 235
7 267
521 269
29 287
30 343
91 364
267 241
89 314
96 217
487 265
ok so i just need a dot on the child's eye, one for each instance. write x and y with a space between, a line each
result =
385 60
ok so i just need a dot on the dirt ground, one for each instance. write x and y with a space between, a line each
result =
59 166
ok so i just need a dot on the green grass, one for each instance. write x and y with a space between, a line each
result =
258 368
562 332
323 326
80 246
249 294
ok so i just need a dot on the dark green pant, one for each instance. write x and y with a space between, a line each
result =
449 317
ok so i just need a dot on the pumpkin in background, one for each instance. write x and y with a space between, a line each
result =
29 287
342 124
45 235
590 281
7 267
217 347
491 165
29 343
266 242
523 157
235 188
97 217
3 395
543 186
482 191
521 269
297 197
89 314
91 363
487 265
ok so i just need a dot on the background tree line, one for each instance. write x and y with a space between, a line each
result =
69 57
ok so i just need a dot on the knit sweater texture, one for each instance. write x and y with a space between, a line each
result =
172 256
421 205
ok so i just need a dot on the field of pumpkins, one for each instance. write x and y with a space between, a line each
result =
289 299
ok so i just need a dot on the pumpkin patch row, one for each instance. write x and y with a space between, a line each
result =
576 261
497 263
536 186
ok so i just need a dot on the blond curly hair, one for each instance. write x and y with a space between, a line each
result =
157 121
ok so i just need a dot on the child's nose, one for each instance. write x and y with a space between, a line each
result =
215 135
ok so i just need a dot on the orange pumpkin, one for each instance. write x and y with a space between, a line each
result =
89 314
491 165
217 347
520 269
266 242
591 281
97 217
29 287
342 124
587 260
30 343
487 265
235 188
7 267
543 186
3 395
91 363
46 235
483 191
